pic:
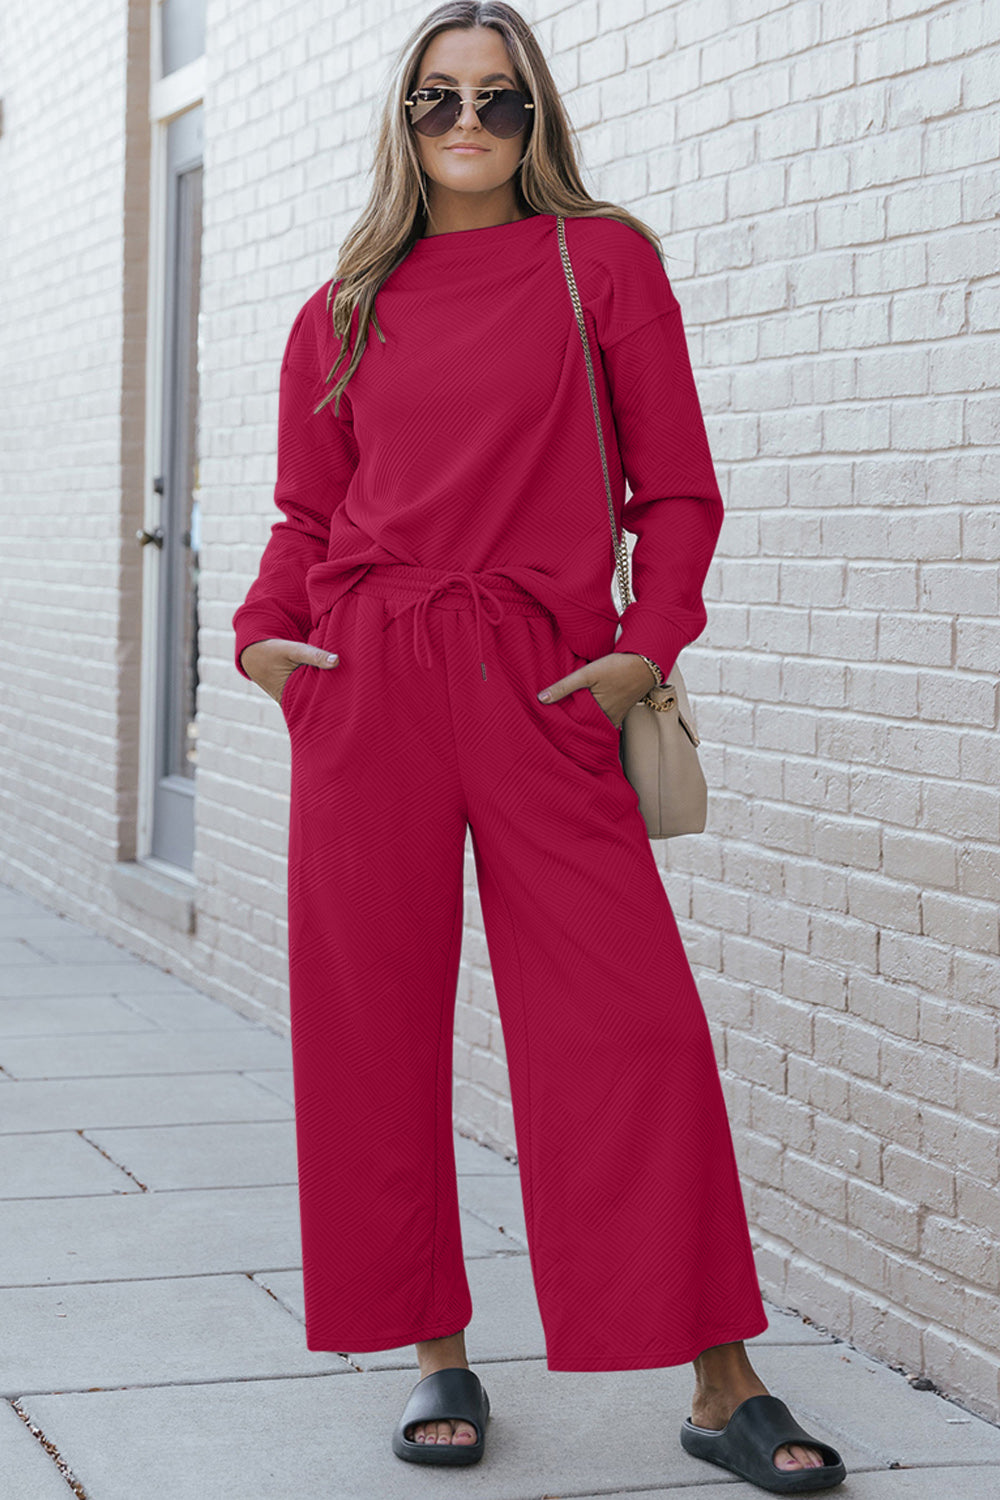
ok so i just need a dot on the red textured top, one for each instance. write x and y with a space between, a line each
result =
467 441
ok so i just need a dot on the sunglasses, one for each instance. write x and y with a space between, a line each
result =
503 112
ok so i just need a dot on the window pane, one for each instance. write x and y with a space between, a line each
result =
182 529
182 32
177 557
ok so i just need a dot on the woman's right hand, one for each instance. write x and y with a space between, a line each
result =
271 663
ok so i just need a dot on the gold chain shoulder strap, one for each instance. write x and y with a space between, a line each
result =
621 550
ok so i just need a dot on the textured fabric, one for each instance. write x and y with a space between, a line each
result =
467 441
639 1243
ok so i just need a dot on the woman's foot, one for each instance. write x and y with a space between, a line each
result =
724 1377
442 1354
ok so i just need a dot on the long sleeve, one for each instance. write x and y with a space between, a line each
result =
317 457
675 508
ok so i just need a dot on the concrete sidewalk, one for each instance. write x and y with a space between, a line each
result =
152 1342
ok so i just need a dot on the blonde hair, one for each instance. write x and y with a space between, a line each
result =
547 179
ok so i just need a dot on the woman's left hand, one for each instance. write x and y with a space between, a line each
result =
617 681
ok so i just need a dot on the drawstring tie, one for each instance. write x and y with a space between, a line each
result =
483 599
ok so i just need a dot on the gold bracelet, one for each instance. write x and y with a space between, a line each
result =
653 668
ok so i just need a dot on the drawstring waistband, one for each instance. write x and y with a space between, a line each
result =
455 590
478 592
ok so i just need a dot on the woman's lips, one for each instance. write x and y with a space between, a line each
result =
479 150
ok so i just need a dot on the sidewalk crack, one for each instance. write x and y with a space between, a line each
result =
52 1451
108 1157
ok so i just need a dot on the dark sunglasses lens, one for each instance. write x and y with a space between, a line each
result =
437 119
505 113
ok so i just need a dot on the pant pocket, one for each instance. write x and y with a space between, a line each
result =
322 696
288 691
305 669
597 711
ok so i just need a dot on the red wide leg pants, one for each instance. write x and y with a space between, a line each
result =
638 1237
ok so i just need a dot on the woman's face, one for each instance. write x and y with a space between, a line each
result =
468 59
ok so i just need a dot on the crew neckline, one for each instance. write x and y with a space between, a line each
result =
461 238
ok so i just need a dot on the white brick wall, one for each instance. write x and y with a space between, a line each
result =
825 179
62 188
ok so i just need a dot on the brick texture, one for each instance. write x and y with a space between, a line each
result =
824 177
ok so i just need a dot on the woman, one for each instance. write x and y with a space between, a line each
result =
434 617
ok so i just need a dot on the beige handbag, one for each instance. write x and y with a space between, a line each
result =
658 740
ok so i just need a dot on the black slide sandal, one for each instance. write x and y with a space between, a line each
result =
454 1393
748 1442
